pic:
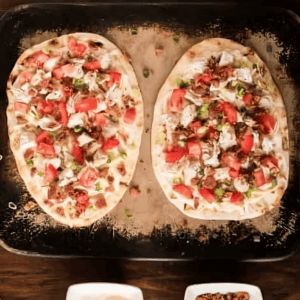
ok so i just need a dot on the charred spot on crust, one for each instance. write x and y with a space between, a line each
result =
13 78
99 44
53 42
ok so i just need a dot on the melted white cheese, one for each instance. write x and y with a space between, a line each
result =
222 174
188 114
226 59
114 94
76 120
20 95
54 95
190 172
268 145
84 139
227 137
105 61
241 184
110 129
90 79
244 74
228 95
195 67
50 64
48 123
27 140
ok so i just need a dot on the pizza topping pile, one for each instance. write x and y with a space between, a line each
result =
78 116
217 135
228 296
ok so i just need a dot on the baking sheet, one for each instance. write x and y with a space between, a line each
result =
157 230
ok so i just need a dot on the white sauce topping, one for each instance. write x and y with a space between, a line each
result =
244 74
27 140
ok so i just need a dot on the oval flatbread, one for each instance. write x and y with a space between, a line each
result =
75 120
220 135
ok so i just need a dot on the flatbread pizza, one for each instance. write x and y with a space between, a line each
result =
220 135
75 120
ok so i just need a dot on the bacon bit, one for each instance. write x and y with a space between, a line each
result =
196 202
100 202
110 188
60 211
141 161
69 189
110 179
32 171
49 203
121 169
148 191
210 182
53 192
21 120
29 154
103 172
195 181
29 205
134 192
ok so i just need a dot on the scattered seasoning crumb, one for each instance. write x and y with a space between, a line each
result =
146 72
134 192
185 223
147 130
11 205
128 214
134 32
158 51
176 38
29 205
148 191
141 161
148 115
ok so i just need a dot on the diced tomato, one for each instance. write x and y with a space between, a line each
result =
114 77
68 69
51 173
77 153
195 125
175 154
259 177
45 138
229 71
208 194
175 102
247 143
45 149
130 115
194 147
237 198
110 144
183 190
38 59
92 65
101 119
86 104
25 77
247 98
63 113
271 162
229 111
82 199
233 173
77 49
205 78
44 107
21 107
88 177
268 123
58 73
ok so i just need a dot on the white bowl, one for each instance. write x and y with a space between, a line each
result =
192 291
103 291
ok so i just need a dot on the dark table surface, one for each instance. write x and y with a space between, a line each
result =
24 277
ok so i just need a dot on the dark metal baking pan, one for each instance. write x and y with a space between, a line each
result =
264 28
